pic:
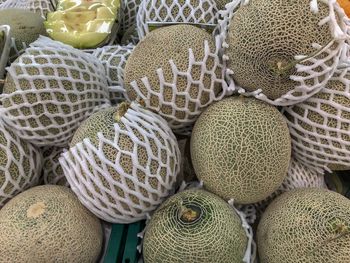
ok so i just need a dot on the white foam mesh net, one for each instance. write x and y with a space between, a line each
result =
130 8
55 88
52 171
312 73
113 58
109 191
182 117
181 11
298 176
20 165
320 125
39 6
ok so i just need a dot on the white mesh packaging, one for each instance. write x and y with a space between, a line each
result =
20 164
50 90
52 171
113 58
298 176
174 12
184 85
130 8
39 6
310 72
126 171
320 126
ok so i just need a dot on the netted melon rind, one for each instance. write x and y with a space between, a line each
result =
181 11
145 157
320 126
52 170
220 226
313 73
130 8
113 58
20 165
298 176
185 85
50 90
47 223
241 149
305 225
38 6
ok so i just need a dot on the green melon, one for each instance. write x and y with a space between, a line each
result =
49 224
264 37
26 26
306 225
194 226
241 149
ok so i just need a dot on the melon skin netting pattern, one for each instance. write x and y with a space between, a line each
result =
20 164
320 126
310 73
125 186
50 90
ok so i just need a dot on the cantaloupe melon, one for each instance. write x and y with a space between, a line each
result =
264 37
48 224
194 226
122 163
20 164
320 126
26 26
241 149
50 90
177 98
305 225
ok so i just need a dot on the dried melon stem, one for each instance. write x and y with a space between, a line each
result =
122 108
189 214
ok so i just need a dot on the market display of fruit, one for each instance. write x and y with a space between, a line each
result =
213 130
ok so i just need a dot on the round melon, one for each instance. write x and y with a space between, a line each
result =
26 26
47 224
195 226
177 98
305 225
128 20
264 38
220 4
42 7
50 89
122 163
20 164
241 149
320 126
52 169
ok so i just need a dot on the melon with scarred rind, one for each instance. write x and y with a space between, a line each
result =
46 224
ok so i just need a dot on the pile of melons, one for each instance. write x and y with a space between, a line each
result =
217 121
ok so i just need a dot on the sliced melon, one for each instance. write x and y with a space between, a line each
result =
83 29
72 5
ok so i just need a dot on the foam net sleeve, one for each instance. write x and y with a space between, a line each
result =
52 170
57 87
20 169
182 11
130 8
182 117
113 193
39 6
113 58
320 126
311 73
298 176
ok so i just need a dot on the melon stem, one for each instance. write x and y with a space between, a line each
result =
188 215
122 108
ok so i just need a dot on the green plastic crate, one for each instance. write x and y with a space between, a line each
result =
123 242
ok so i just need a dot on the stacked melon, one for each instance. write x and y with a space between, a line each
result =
185 125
